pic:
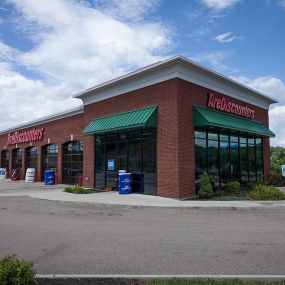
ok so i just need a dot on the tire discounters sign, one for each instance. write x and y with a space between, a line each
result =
225 105
25 136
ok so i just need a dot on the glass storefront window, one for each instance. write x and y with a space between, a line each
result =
5 158
149 166
49 158
227 156
111 171
259 159
212 136
234 158
72 162
213 161
100 161
224 159
17 158
200 157
251 159
32 157
244 160
200 134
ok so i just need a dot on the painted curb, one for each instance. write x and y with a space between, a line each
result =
147 277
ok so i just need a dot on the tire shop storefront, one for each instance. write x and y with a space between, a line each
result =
166 124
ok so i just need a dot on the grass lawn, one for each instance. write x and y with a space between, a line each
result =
211 282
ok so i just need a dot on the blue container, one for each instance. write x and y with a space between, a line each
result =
125 183
49 177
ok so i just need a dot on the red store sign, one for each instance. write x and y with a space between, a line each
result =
26 136
225 105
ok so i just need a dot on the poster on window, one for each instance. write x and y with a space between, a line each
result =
111 164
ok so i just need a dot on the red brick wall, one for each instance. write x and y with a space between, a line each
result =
58 132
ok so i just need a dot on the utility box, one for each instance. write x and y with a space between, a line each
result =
125 183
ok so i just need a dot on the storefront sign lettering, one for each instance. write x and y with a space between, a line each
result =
26 136
225 105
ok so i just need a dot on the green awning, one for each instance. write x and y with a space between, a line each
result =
209 118
140 118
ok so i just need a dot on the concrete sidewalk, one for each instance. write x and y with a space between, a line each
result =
55 193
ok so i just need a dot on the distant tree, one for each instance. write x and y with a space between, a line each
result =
277 158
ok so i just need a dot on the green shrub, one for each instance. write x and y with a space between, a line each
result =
252 184
76 190
14 271
206 188
265 192
233 187
67 189
275 178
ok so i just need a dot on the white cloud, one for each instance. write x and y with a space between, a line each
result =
275 88
219 5
23 99
7 53
272 86
214 58
125 9
75 46
277 123
225 37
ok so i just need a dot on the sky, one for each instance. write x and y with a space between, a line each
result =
52 49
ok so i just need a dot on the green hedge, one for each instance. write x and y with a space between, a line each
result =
265 192
14 271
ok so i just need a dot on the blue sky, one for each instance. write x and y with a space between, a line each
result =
51 49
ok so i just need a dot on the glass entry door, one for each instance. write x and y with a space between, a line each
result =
133 152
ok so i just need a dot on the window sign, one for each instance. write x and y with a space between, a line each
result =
283 170
111 164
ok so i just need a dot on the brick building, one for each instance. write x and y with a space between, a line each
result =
166 124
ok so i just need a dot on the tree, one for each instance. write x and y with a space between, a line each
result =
206 188
277 158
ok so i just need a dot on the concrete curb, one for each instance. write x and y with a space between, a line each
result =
189 207
118 279
229 205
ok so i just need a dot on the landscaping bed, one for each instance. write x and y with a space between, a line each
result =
77 190
231 191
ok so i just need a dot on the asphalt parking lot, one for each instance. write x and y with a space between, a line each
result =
78 238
